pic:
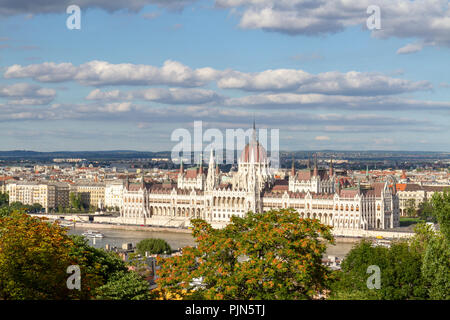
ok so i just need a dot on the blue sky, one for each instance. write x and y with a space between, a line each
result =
137 70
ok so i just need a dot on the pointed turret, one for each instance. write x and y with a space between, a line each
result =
331 168
143 180
181 167
293 167
201 164
316 169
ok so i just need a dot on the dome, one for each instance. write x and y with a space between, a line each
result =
258 151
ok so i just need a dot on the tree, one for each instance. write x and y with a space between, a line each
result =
270 255
400 273
153 246
124 286
426 211
411 208
76 201
99 261
34 257
436 261
4 199
441 210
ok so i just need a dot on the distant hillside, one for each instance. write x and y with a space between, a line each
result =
89 155
18 155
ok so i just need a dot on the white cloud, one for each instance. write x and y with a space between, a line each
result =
99 73
427 20
350 83
27 94
59 6
410 48
338 102
161 95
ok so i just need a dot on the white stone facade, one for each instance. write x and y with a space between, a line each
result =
312 193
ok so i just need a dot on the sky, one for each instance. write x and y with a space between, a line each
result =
137 70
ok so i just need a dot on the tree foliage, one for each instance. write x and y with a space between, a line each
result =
124 286
153 246
400 267
34 256
97 261
4 199
441 210
436 268
270 255
436 260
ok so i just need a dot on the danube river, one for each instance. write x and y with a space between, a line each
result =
116 238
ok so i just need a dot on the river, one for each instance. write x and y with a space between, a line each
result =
176 240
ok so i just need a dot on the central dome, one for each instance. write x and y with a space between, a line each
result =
254 149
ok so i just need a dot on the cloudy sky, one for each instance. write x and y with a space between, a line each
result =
139 69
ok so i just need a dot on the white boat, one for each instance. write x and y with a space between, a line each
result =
93 234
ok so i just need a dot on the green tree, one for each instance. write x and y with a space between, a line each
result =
4 199
153 246
441 210
426 211
124 286
270 255
436 261
400 273
99 261
436 267
411 208
34 256
76 201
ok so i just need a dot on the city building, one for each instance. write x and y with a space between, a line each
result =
48 195
313 193
415 194
92 193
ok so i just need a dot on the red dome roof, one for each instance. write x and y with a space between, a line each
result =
258 151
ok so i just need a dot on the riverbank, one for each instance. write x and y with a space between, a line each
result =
93 225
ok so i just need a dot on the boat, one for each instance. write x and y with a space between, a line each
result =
93 234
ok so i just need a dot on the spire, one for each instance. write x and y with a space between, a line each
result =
254 139
201 163
293 167
316 171
211 159
308 164
367 171
331 168
181 167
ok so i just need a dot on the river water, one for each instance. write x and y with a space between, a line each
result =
176 240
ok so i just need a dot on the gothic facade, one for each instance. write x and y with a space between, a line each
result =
313 193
